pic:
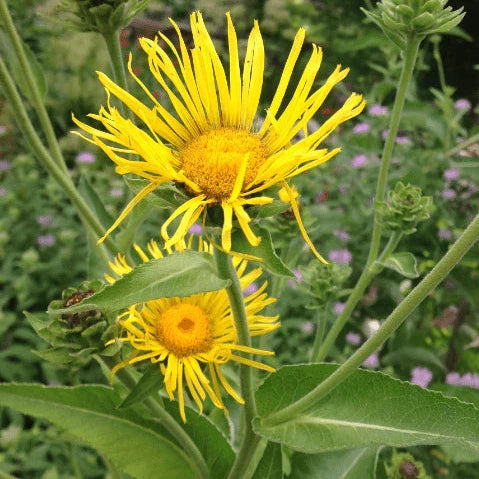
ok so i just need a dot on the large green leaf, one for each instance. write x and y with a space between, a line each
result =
349 464
179 274
271 464
89 413
368 408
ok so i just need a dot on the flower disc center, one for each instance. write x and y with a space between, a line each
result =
213 160
185 329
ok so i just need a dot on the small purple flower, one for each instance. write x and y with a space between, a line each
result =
46 240
3 130
195 229
339 307
307 327
5 165
341 256
421 376
353 338
384 134
378 110
342 189
453 378
250 289
85 157
361 128
44 220
3 192
359 161
463 104
444 234
451 174
299 277
341 235
448 194
116 192
403 140
371 361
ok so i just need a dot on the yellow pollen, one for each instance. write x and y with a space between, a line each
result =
185 329
213 160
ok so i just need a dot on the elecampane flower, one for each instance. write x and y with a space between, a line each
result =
193 337
211 144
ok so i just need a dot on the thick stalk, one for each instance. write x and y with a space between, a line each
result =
394 320
226 270
410 55
62 178
166 421
364 281
34 92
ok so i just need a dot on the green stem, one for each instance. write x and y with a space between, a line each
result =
440 67
226 270
464 144
363 282
410 55
88 217
74 462
112 40
166 420
34 92
395 319
321 316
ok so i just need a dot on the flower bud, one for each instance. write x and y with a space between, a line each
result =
404 208
402 19
404 466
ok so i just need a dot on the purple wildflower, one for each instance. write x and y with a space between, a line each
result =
421 376
299 277
378 110
403 140
341 256
44 219
359 161
451 174
46 240
3 130
353 338
85 157
361 128
342 189
463 104
116 192
444 234
195 229
384 134
250 289
5 165
371 361
339 307
307 327
453 378
341 235
448 194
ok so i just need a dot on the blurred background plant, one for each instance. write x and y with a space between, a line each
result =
43 248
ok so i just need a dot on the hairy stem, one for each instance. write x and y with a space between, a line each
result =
34 92
394 320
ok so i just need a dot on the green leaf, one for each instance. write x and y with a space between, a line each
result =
350 464
150 382
95 202
89 413
57 356
271 464
165 196
403 263
367 409
178 274
265 250
413 355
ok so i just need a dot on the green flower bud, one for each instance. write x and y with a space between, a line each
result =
323 282
75 337
30 258
405 466
102 16
402 19
404 208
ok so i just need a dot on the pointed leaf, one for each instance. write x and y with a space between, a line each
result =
179 274
403 263
89 413
367 409
150 382
271 464
349 464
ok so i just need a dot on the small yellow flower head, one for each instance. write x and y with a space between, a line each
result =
192 337
211 144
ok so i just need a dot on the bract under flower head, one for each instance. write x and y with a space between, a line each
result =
185 334
211 145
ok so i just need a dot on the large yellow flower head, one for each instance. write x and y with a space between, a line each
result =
186 334
210 144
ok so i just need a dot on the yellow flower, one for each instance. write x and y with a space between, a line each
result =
185 334
211 145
